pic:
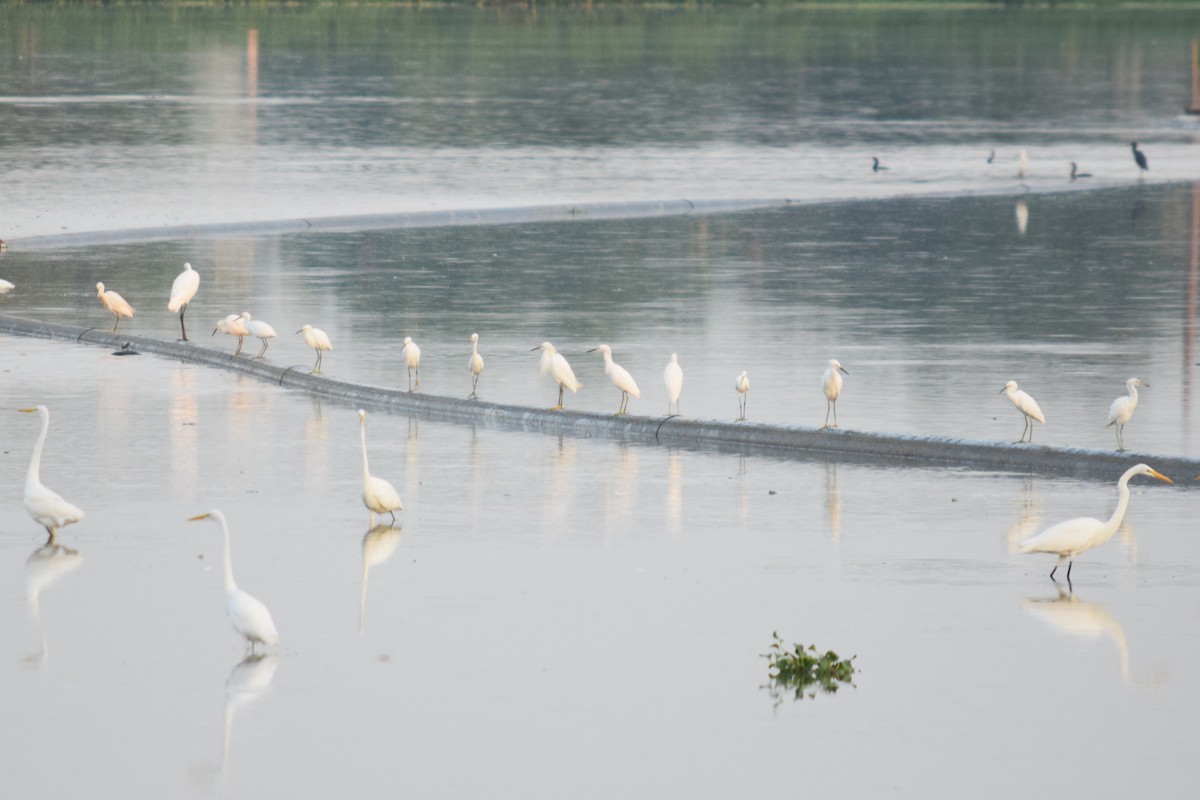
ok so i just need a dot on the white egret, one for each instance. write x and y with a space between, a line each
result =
831 383
182 291
43 504
6 286
558 368
619 376
259 330
115 304
1022 165
742 385
379 496
1121 410
412 358
227 326
1140 158
673 378
317 340
249 616
1027 406
1068 539
475 365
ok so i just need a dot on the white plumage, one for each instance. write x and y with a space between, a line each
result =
1121 410
46 506
619 376
557 367
831 384
115 304
673 380
182 291
1027 406
379 496
249 616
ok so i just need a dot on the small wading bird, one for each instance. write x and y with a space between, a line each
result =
475 365
831 382
742 386
1139 158
6 286
1027 406
115 304
557 367
1022 165
249 616
379 496
1069 539
317 340
1075 173
412 358
1121 410
43 504
991 156
229 325
876 166
182 291
259 330
673 379
619 376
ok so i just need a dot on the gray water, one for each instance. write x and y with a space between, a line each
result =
574 616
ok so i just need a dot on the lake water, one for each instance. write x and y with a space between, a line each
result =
577 616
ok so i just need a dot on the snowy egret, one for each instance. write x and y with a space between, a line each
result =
742 385
412 358
6 286
115 304
475 365
1075 173
673 378
1068 539
1027 406
44 505
379 496
249 616
1121 410
1022 165
259 330
182 291
1139 157
317 340
831 382
227 326
558 368
619 376
876 166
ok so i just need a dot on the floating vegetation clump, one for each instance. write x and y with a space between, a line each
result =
803 668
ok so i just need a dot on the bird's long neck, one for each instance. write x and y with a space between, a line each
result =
608 362
362 435
1133 397
230 585
1118 515
35 463
474 349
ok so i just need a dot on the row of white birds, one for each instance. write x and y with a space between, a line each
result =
1119 413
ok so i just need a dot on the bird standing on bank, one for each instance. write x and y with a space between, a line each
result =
1121 410
249 616
1022 165
182 291
317 340
43 504
379 496
673 379
831 383
619 376
557 367
1027 406
742 386
475 365
412 358
259 330
115 304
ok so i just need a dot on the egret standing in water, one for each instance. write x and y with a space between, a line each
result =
831 382
43 504
1022 165
1027 406
619 376
249 616
558 368
475 365
259 330
379 496
317 340
742 386
1121 410
1139 158
412 358
673 378
115 304
1069 539
182 291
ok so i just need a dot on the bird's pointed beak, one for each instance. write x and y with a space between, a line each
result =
27 410
594 349
844 372
198 516
299 331
1003 389
1161 477
539 347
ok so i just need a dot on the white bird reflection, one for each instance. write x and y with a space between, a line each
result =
674 492
1022 217
833 501
1070 615
248 680
378 546
43 567
1029 515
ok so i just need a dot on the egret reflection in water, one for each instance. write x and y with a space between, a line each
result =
378 546
247 681
44 566
1070 615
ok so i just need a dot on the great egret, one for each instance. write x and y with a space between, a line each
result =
558 368
1121 410
249 616
1139 157
1022 165
831 382
619 376
182 291
259 330
673 378
6 286
230 325
876 166
1068 539
1075 173
379 496
742 385
43 504
115 304
1027 406
475 365
412 358
317 340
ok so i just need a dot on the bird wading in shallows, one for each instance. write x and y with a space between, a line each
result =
619 376
1121 410
475 365
43 504
554 365
379 496
249 616
1068 539
831 383
317 340
115 304
742 386
1139 158
182 291
1027 406
673 380
412 358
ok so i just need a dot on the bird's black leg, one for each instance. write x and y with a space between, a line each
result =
182 327
1054 571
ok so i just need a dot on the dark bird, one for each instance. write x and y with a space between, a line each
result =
991 156
876 166
1075 174
1140 157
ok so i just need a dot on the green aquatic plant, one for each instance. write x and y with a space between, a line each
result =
802 667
